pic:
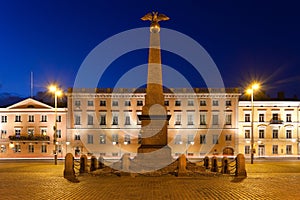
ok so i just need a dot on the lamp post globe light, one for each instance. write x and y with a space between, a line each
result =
57 93
253 87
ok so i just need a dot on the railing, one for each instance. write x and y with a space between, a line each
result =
29 137
276 121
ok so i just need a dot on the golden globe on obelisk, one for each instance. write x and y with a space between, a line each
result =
154 142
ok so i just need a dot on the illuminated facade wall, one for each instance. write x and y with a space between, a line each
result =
275 128
27 130
104 122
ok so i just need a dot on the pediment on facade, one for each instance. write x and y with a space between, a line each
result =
30 104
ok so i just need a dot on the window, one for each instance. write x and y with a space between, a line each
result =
202 103
58 118
115 138
215 103
228 103
275 133
31 148
77 103
247 117
90 139
90 120
103 103
215 139
190 117
77 120
44 118
177 119
139 138
44 148
288 134
166 103
30 131
4 119
18 118
275 116
114 103
90 103
228 137
261 133
77 136
58 132
288 149
275 149
43 131
288 117
247 134
228 119
127 103
31 118
17 133
139 122
178 139
17 148
139 103
190 103
127 139
102 139
2 148
3 134
115 119
190 139
127 120
103 119
247 149
215 119
261 117
202 119
177 103
202 139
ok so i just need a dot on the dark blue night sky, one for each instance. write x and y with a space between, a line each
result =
248 40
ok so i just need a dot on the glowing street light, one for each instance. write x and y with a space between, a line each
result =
57 93
254 86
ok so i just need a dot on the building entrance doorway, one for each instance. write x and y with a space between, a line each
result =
261 150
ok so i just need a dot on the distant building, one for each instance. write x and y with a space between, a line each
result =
27 130
275 128
104 121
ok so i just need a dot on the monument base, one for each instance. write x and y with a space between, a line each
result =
152 158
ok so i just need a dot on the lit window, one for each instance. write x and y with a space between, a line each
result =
127 139
102 139
3 134
43 131
17 133
190 139
30 131
178 139
115 138
17 148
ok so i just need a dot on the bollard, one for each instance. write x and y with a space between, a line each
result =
225 166
101 162
83 164
69 172
240 166
93 166
214 164
182 165
206 162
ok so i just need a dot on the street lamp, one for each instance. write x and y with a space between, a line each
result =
251 90
57 92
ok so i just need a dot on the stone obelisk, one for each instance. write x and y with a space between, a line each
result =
154 142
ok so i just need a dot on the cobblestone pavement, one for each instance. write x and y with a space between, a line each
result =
44 180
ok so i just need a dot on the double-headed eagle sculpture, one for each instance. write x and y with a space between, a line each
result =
154 17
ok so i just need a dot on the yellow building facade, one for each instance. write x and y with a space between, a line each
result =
105 121
275 128
27 130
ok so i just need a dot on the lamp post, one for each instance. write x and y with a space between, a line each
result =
251 90
57 92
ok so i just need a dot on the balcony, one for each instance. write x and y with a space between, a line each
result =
276 121
29 138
